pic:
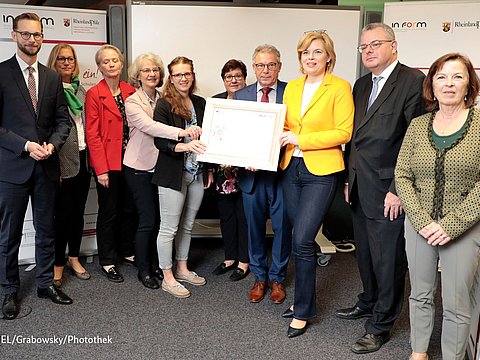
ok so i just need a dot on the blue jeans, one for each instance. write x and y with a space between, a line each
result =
308 197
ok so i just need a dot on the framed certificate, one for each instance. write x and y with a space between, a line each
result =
242 133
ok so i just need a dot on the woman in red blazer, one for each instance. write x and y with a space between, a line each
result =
107 137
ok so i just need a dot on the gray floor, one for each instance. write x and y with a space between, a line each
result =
216 322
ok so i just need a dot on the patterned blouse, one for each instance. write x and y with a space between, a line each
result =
226 181
121 107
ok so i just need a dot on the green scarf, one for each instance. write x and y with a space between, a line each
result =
72 100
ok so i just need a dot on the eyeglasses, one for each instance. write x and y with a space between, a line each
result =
148 71
237 77
26 35
375 44
187 75
270 66
63 59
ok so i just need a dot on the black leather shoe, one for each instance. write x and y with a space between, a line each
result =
10 306
112 274
352 313
54 294
148 281
158 273
369 343
223 268
288 314
292 332
239 274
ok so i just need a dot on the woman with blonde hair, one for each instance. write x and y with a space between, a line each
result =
319 120
107 136
75 176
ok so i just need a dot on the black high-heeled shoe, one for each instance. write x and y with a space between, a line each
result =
288 314
293 332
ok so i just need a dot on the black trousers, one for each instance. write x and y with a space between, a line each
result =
234 226
116 220
145 196
13 206
69 210
382 264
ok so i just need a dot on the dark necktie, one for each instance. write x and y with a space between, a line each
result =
373 94
32 88
265 92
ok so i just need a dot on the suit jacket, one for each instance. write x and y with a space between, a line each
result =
104 127
169 167
324 127
19 123
141 153
378 134
246 179
69 155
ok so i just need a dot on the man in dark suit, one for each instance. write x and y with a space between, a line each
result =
262 192
386 100
33 126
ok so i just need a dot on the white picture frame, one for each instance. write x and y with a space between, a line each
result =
242 133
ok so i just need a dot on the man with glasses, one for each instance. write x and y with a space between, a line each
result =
262 192
386 100
34 125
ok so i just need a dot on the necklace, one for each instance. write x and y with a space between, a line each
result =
443 126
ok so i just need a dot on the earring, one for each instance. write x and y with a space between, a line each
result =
465 98
434 98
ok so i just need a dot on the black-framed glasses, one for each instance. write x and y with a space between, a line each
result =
375 44
270 66
147 71
26 35
187 75
65 59
237 77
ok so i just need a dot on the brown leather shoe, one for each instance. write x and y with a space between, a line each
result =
257 293
278 292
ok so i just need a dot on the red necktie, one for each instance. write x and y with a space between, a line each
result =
265 92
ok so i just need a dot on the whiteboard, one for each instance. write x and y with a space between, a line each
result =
210 34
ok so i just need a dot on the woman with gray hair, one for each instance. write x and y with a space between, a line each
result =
146 74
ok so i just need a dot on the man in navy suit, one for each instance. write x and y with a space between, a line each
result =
386 100
262 192
34 124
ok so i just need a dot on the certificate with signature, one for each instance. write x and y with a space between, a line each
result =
242 133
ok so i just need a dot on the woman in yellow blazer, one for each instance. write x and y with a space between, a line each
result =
319 120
